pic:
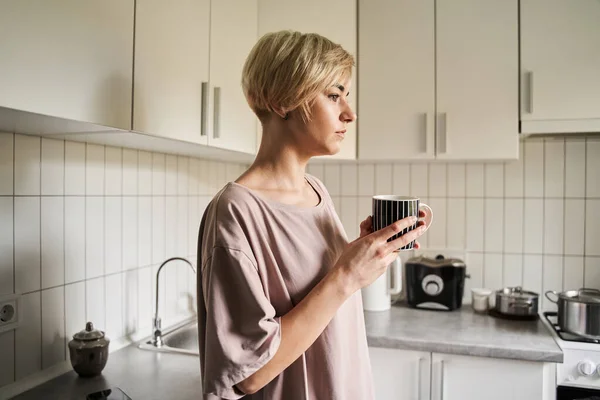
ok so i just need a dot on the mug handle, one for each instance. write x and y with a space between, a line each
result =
428 215
396 284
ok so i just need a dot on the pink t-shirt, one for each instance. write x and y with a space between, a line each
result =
259 258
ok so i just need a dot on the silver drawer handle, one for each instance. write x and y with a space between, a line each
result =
217 112
203 108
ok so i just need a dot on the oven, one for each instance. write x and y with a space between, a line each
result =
573 393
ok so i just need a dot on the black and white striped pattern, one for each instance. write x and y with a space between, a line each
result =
389 209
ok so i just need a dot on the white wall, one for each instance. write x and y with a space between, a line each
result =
534 222
83 229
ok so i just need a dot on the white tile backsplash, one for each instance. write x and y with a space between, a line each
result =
94 169
52 242
6 165
554 166
27 165
575 168
475 180
114 171
6 247
130 172
75 239
479 207
74 168
53 167
592 171
53 326
534 168
27 244
552 278
28 339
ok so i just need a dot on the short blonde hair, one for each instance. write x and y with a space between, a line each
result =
288 69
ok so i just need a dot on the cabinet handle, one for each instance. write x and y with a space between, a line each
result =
529 75
204 108
425 135
419 378
442 137
217 112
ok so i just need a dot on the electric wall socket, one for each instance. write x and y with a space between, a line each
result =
9 312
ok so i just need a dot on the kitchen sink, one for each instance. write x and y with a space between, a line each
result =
182 339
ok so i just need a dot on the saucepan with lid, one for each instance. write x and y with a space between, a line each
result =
578 311
514 301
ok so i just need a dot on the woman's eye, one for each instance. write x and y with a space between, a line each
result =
334 97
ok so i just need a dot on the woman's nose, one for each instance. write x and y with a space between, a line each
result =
348 115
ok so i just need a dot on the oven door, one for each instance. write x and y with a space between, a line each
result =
571 393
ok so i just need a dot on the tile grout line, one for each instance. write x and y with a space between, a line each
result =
14 139
41 360
483 274
585 202
64 190
523 183
564 191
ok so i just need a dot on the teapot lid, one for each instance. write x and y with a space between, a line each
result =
89 333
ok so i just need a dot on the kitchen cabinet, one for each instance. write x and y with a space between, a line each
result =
560 64
400 374
336 20
407 374
189 59
68 58
233 33
437 82
171 69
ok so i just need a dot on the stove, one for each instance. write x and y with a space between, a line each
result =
578 377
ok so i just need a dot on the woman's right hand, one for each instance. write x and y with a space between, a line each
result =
366 258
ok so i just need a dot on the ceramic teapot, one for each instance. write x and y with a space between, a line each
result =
89 351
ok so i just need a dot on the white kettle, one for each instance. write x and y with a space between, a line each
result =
378 295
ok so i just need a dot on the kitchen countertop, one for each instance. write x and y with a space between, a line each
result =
461 332
146 374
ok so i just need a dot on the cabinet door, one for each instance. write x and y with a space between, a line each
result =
396 79
171 65
477 71
475 378
335 19
400 374
68 58
560 66
233 33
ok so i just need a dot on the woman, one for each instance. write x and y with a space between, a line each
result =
280 310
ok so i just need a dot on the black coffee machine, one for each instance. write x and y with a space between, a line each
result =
435 284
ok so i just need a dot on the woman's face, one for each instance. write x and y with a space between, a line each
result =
330 115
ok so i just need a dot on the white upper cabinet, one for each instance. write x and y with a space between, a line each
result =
335 19
233 33
68 58
397 79
477 76
437 81
171 69
400 374
560 66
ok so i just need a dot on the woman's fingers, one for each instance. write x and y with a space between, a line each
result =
405 239
384 234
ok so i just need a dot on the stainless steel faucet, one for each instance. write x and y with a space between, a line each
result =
156 322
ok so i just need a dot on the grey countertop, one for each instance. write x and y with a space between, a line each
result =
144 374
461 332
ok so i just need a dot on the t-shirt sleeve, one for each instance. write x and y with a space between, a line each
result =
242 331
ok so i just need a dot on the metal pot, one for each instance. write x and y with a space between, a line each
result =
516 301
89 351
578 311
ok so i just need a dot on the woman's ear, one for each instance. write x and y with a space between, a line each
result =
282 112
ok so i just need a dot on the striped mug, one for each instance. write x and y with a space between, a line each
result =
388 209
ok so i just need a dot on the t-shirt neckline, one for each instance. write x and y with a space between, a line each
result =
280 205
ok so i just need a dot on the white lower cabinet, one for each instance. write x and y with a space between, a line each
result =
400 374
414 375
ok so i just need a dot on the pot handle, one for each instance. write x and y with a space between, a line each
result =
554 293
528 304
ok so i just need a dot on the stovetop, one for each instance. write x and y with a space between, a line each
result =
552 318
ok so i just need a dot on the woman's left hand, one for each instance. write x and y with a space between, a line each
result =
366 227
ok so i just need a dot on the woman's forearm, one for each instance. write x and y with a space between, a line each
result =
301 326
